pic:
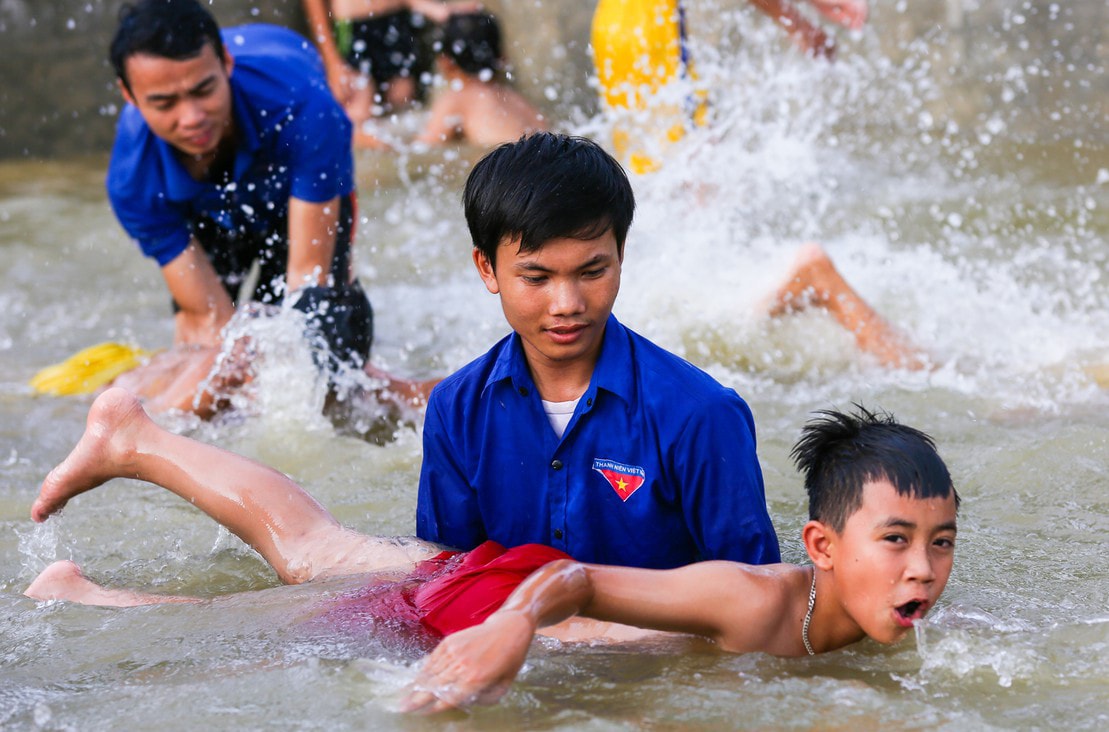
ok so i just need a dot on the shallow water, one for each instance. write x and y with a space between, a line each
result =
958 175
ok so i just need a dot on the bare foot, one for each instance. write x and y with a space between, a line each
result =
847 13
64 580
100 455
61 581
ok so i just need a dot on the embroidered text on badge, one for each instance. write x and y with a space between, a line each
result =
624 479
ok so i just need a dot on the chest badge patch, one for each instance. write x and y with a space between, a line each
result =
624 479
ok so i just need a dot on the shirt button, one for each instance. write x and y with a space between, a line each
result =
556 464
558 533
523 391
589 402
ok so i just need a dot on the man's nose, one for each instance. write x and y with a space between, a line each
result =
192 113
566 299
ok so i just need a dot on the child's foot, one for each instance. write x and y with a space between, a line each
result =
847 13
62 581
100 455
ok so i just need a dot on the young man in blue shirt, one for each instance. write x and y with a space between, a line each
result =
574 431
232 150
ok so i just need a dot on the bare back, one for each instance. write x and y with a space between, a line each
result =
482 113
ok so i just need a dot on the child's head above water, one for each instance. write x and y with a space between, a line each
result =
840 453
882 519
473 42
546 186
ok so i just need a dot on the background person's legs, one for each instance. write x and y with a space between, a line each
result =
814 281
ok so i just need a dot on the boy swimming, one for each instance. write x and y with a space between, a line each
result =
881 538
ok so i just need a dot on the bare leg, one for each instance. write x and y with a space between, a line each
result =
848 13
263 507
400 92
65 581
359 108
815 282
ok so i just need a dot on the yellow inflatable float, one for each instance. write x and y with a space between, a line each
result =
639 50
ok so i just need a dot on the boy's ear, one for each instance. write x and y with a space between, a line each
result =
819 540
228 61
485 269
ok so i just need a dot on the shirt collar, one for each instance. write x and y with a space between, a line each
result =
614 372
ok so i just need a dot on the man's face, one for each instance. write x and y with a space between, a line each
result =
557 298
893 558
186 103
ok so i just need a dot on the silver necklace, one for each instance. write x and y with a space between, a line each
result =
808 615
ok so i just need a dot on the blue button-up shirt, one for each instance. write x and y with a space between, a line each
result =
292 140
657 467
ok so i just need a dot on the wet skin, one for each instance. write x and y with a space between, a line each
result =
892 561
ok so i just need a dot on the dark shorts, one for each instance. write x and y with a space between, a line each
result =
383 47
447 593
340 315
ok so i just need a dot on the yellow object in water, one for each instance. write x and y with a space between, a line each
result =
88 370
638 51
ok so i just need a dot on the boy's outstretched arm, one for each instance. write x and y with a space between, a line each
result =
712 599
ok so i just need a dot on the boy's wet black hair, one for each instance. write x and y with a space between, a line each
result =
546 186
473 42
173 29
839 453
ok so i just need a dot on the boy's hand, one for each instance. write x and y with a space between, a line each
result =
473 666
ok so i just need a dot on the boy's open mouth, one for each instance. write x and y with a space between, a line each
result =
909 610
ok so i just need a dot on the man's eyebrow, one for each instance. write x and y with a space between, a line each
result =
165 97
536 267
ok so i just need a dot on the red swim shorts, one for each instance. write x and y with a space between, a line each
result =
480 582
442 595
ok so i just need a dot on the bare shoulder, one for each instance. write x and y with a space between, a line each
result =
761 608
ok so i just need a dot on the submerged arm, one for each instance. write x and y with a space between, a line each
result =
477 665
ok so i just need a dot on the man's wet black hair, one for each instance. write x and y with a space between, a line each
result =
473 42
546 186
173 29
839 453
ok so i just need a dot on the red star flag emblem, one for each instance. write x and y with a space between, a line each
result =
624 479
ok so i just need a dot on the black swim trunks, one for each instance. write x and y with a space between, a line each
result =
383 47
341 315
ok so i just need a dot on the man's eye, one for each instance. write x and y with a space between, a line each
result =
534 280
594 273
945 543
894 538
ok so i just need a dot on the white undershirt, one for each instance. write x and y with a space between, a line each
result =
559 414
